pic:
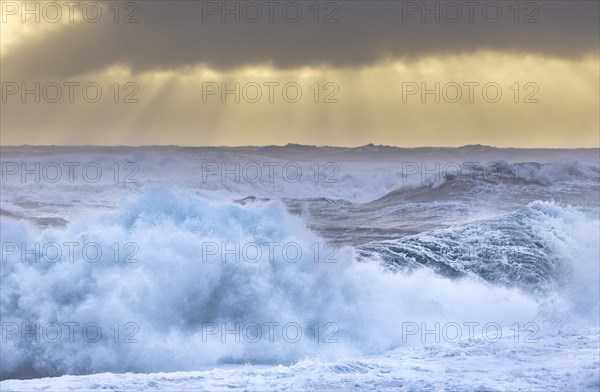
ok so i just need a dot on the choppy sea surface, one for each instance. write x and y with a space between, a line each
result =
299 268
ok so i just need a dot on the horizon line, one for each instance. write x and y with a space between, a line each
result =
370 145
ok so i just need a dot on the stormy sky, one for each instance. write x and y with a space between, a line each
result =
346 73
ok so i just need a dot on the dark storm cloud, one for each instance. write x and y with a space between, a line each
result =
172 34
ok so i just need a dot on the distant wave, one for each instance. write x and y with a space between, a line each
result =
359 175
456 183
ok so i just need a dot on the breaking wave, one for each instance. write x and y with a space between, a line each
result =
171 300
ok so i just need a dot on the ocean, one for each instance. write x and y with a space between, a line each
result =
300 268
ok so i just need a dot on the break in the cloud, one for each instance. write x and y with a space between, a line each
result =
370 51
368 107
